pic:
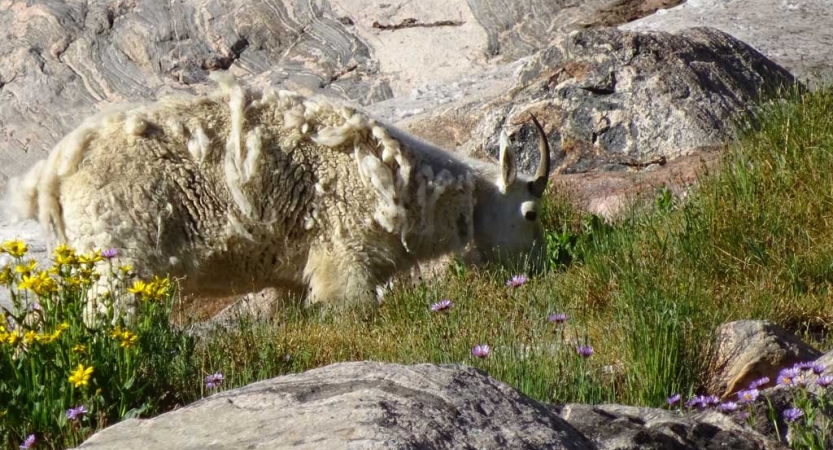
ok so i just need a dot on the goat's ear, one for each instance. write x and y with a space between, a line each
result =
508 168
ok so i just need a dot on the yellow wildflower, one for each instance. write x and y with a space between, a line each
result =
86 276
64 255
63 249
46 285
46 338
15 247
128 339
125 269
6 276
29 336
26 269
161 283
90 258
4 335
138 287
81 376
79 348
40 284
65 260
28 282
12 338
159 287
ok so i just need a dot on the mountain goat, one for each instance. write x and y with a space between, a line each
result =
242 190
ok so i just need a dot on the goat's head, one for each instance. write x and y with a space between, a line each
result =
507 217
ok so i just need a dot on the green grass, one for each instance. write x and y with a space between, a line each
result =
753 241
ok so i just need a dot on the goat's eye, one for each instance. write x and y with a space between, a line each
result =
531 215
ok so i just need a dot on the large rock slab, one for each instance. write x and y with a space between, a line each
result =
361 405
619 427
796 34
368 405
746 350
615 100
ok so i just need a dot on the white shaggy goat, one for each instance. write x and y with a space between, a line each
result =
239 191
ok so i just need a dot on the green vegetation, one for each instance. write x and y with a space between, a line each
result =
646 293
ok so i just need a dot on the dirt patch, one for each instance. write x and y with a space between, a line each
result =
624 11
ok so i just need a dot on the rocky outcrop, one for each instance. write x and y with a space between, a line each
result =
795 34
367 405
747 350
362 405
615 100
618 427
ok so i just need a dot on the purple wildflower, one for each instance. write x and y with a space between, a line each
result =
516 281
481 351
214 380
792 414
585 351
728 407
674 399
76 413
787 377
825 380
759 382
28 443
818 369
744 415
442 305
698 401
804 365
748 396
558 318
711 400
110 253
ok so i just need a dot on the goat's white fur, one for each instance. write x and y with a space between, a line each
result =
241 190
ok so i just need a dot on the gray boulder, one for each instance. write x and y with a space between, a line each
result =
747 350
794 33
361 405
618 427
369 405
615 100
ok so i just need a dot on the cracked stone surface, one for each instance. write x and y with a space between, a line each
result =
370 405
796 34
613 100
620 427
360 405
